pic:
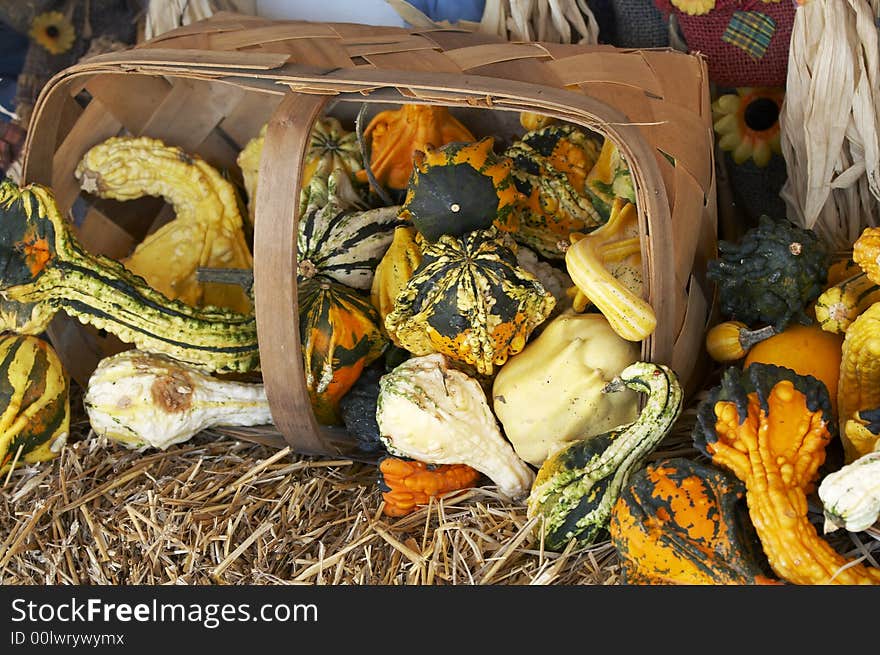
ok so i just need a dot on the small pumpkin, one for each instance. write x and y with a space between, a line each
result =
550 167
469 300
807 350
678 521
770 427
458 188
578 485
406 484
394 135
851 495
35 397
340 335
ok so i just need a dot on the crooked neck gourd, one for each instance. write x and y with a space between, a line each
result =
44 270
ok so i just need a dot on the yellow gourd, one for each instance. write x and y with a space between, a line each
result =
606 268
859 387
732 340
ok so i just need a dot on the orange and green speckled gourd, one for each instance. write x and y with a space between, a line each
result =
682 522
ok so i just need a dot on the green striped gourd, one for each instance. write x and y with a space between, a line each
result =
44 270
340 239
576 487
34 395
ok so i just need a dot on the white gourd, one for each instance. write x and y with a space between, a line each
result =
141 399
851 495
436 414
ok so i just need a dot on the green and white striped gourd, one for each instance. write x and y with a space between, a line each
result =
340 239
576 487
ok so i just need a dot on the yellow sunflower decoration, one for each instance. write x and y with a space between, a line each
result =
747 123
54 31
694 7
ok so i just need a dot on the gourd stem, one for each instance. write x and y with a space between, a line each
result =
748 338
374 183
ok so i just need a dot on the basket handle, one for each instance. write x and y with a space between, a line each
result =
275 264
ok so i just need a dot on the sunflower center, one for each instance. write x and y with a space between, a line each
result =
52 31
761 114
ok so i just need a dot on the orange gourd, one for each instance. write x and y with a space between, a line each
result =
807 350
406 483
395 134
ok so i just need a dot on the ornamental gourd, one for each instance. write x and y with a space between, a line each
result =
550 167
433 413
395 135
839 305
342 240
469 300
730 341
340 335
678 521
395 269
207 231
610 178
35 397
331 147
591 261
770 427
458 188
552 392
406 484
858 388
578 485
851 495
44 270
770 274
140 399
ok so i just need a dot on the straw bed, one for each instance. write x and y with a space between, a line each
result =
216 510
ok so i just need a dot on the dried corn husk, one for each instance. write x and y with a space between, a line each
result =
553 21
830 121
165 15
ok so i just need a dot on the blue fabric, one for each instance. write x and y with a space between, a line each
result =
13 47
451 10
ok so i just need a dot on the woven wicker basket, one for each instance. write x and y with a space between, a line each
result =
210 86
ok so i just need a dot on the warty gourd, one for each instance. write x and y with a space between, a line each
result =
433 413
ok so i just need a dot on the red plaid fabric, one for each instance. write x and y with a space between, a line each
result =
11 143
730 64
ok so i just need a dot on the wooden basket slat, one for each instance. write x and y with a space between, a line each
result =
604 67
116 91
95 125
645 101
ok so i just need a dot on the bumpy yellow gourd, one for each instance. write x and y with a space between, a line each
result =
207 231
859 385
